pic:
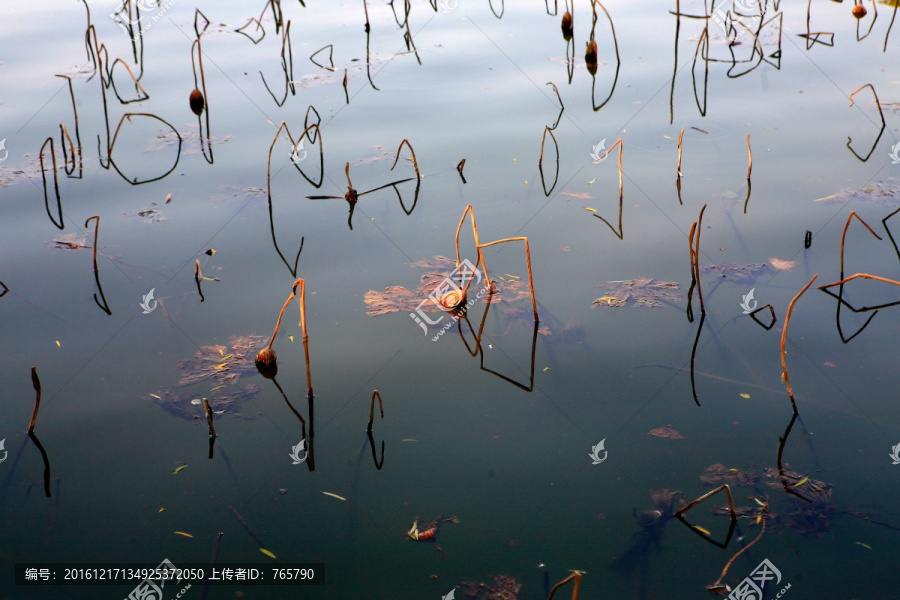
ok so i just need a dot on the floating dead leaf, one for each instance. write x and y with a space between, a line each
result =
241 192
190 140
667 432
186 408
885 192
179 469
267 553
380 153
783 265
718 474
579 195
748 273
213 362
69 241
184 534
31 170
149 215
435 270
642 291
502 588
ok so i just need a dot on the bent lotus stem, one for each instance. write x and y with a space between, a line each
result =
375 394
480 259
397 158
268 349
762 517
706 496
680 136
602 158
544 139
694 251
96 232
787 318
880 114
863 276
527 262
59 225
293 145
749 157
844 235
575 577
36 382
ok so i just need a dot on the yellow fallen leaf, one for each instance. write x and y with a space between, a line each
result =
590 209
155 396
184 534
515 160
222 352
758 519
513 276
745 395
609 300
218 387
269 122
864 545
701 530
267 553
227 356
180 469
290 337
546 368
801 482
161 508
58 344
335 496
408 440
592 181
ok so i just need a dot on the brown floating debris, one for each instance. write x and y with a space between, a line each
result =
36 382
461 166
667 432
859 11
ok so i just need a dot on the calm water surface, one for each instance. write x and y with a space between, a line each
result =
508 455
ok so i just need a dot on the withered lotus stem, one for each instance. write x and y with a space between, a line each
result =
197 102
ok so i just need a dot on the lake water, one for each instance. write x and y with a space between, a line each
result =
498 429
